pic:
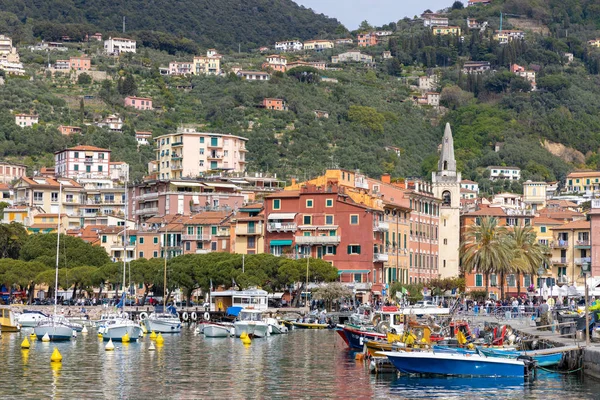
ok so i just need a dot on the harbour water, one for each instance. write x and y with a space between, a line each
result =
302 364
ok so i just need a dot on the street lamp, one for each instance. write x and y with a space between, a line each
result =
541 271
585 270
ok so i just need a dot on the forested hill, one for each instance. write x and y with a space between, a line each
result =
223 23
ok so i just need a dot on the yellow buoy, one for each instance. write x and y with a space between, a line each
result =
244 335
33 336
153 335
25 355
245 338
25 344
160 339
56 356
45 338
125 338
109 346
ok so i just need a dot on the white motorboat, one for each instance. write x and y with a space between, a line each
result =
251 322
29 318
163 323
115 326
56 326
217 329
275 327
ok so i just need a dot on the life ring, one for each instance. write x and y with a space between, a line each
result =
206 316
143 316
185 316
194 316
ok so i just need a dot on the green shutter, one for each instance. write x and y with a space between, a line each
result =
349 249
357 249
334 250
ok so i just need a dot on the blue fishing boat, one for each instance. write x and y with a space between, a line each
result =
448 364
543 360
454 350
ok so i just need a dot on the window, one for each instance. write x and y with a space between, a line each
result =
511 280
155 254
141 254
187 246
330 250
213 246
155 240
54 196
307 219
276 204
527 280
478 280
493 280
354 249
251 242
201 152
329 220
527 221
214 141
141 241
76 167
543 229
213 230
309 203
103 238
201 140
328 202
354 219
38 196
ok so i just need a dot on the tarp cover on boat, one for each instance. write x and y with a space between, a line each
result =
234 310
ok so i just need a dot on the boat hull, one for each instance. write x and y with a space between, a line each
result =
303 325
252 329
56 333
214 330
455 364
116 333
163 325
356 338
31 320
542 360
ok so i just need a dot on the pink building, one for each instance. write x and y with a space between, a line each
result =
594 214
10 172
187 153
82 162
80 63
180 68
139 103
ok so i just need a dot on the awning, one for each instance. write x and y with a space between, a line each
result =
280 243
221 185
282 216
353 271
188 184
277 295
242 182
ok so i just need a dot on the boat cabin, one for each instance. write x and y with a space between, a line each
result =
250 315
253 299
396 318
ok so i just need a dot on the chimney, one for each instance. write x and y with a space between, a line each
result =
386 178
293 181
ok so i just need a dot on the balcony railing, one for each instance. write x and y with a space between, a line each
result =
379 226
175 144
581 260
197 238
150 210
246 230
559 244
558 260
595 203
380 257
318 240
582 243
279 227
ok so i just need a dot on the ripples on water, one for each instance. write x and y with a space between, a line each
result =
302 364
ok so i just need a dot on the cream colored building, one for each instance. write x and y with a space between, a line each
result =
8 53
43 192
207 65
446 186
318 45
571 247
188 153
24 120
534 194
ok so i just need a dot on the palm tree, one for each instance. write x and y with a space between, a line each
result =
528 254
485 248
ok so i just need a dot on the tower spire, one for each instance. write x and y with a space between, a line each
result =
447 163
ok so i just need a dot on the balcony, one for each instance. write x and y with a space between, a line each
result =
214 144
362 285
246 230
380 257
88 160
582 260
380 226
559 244
149 210
280 227
197 238
119 247
177 144
595 203
176 167
558 260
311 240
214 156
176 157
582 244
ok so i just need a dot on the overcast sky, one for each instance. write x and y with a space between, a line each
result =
378 12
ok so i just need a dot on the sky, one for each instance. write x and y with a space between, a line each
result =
378 12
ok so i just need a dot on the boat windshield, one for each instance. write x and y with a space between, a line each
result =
250 316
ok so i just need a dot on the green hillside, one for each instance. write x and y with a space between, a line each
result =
225 23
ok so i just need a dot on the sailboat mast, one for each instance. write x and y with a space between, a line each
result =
125 245
306 295
165 281
57 246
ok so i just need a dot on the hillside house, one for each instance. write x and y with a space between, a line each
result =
344 41
528 75
428 83
478 3
318 45
314 64
254 75
274 104
96 36
434 20
24 120
386 55
276 63
594 42
474 24
180 68
499 172
69 130
116 46
80 63
367 39
446 30
352 56
508 35
476 67
139 103
143 138
112 122
289 46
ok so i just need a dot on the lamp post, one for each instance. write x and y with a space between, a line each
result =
585 270
541 271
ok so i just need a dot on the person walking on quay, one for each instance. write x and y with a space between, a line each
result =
543 311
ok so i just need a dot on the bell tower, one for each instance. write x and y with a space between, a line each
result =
446 186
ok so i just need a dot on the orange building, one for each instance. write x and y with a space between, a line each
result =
274 104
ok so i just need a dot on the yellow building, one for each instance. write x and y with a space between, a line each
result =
318 45
583 181
534 194
594 42
48 223
571 247
206 65
248 230
446 30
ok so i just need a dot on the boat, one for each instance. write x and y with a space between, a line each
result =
163 322
543 360
30 318
57 327
449 364
251 322
8 321
256 299
276 327
213 329
355 336
119 325
306 325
